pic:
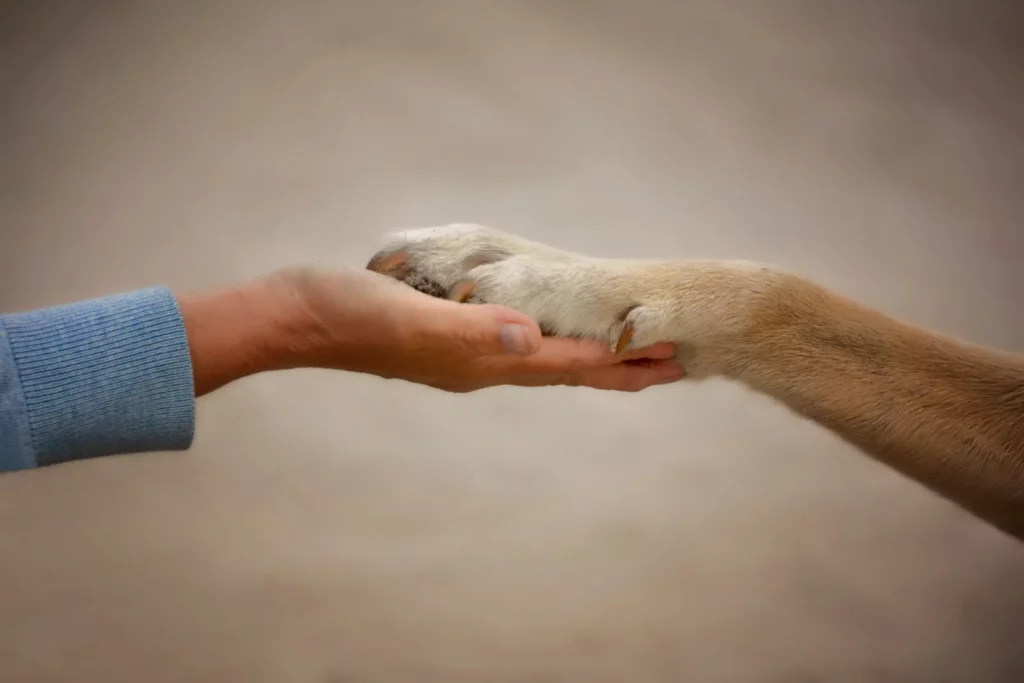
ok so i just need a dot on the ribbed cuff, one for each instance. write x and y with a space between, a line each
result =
103 377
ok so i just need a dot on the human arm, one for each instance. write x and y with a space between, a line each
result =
120 374
97 377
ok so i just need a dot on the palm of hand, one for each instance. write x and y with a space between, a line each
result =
367 322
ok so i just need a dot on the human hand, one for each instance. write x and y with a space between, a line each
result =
365 322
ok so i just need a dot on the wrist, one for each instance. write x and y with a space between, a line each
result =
258 326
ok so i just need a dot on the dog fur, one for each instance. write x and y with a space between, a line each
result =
947 413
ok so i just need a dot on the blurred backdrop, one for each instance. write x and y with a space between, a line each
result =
331 528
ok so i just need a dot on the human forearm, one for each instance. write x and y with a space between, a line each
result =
121 374
94 378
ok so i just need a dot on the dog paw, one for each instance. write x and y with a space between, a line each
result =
435 260
567 294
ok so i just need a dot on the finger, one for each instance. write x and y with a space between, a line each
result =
661 350
631 376
486 330
562 355
559 355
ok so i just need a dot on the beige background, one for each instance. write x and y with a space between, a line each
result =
338 528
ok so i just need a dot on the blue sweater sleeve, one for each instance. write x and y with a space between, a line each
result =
94 378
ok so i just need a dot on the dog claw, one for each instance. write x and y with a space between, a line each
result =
388 264
462 292
624 338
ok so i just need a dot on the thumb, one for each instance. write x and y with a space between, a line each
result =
487 329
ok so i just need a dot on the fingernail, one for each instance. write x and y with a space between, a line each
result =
517 339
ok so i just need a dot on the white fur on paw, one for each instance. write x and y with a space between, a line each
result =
567 294
445 255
